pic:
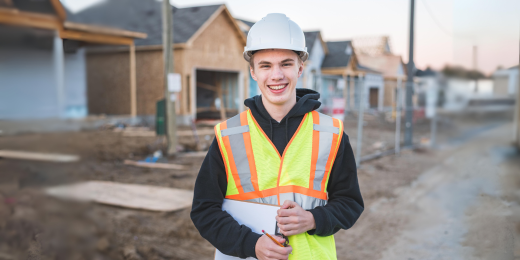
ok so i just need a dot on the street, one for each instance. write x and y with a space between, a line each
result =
465 207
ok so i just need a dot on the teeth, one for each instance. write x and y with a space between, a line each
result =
277 87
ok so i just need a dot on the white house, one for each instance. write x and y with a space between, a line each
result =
505 81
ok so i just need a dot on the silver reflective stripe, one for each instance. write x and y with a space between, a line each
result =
324 150
306 202
273 200
238 148
325 128
234 130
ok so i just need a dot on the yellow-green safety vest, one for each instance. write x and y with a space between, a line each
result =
256 172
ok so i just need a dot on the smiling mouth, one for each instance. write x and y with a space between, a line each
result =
277 87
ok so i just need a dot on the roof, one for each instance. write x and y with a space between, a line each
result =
388 64
145 16
428 72
44 7
310 39
366 69
337 56
248 23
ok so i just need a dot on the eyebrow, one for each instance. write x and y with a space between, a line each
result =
267 62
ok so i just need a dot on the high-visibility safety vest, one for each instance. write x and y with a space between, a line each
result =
256 172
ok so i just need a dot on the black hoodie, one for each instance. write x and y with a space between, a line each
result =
341 212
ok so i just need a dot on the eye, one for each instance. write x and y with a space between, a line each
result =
287 64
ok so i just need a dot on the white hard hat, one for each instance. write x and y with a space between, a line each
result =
275 31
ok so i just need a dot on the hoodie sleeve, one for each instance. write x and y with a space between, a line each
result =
213 224
345 203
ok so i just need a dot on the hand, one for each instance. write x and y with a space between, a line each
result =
266 249
293 219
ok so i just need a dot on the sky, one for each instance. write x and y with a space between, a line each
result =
445 30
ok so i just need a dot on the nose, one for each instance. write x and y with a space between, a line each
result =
277 74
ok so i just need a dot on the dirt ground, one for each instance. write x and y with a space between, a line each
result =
34 226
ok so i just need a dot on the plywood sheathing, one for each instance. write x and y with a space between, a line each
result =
125 195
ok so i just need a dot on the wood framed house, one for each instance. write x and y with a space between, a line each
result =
208 46
42 60
343 76
394 73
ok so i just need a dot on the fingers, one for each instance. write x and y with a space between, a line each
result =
289 230
280 240
288 212
280 252
276 252
287 220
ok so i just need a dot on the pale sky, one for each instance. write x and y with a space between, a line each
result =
445 30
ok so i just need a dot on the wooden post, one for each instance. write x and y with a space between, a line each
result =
133 88
59 69
171 116
221 97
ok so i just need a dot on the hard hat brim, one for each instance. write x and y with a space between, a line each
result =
304 55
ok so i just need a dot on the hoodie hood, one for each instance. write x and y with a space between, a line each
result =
281 132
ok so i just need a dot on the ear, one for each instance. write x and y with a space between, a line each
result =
300 69
252 73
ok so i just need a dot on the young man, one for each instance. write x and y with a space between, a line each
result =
281 151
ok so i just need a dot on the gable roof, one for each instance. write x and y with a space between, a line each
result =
145 16
388 64
310 39
337 56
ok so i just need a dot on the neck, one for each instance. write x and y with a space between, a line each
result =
278 112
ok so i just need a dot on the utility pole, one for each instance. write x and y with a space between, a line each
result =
408 134
170 115
475 67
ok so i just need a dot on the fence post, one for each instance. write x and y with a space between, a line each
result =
398 117
361 99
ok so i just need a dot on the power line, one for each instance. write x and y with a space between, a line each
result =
435 20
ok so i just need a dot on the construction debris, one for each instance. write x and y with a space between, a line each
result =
21 155
156 165
125 195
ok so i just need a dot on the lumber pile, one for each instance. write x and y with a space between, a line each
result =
133 196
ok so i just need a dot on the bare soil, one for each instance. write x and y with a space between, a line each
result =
35 226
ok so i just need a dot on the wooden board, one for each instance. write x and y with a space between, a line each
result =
38 156
150 133
133 196
156 165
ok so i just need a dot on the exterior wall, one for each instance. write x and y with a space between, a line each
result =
28 84
313 64
505 82
372 81
501 85
109 82
390 86
218 48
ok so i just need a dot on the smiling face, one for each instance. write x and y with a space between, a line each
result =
276 71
